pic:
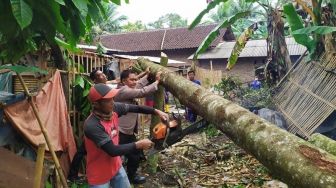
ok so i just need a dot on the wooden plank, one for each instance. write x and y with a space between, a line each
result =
15 171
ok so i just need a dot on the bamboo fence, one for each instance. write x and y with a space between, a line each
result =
308 96
207 77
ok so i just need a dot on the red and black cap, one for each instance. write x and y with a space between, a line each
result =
101 91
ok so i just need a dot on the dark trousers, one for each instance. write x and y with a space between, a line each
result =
76 162
133 159
191 116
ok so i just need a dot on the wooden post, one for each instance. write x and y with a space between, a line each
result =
44 132
39 165
211 65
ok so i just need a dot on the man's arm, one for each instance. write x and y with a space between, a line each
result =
142 82
144 73
127 93
116 81
122 109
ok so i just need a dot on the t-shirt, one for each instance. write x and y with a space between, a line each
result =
196 82
101 167
255 84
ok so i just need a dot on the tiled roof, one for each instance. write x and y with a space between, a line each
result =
175 38
253 48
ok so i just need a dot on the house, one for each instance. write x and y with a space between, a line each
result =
177 43
253 55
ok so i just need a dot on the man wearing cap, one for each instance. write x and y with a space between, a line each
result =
130 89
97 77
101 130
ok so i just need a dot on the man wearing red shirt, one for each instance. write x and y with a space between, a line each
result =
101 132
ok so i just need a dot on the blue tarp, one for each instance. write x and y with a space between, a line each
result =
328 127
8 135
6 82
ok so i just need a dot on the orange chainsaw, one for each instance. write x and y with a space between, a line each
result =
168 133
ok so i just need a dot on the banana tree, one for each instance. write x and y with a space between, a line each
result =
318 34
277 53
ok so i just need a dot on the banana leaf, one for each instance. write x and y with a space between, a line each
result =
295 23
199 17
21 69
215 32
240 45
322 30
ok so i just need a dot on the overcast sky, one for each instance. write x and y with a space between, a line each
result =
150 10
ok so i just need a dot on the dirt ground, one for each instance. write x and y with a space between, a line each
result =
199 161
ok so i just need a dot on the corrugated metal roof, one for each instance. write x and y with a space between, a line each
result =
253 48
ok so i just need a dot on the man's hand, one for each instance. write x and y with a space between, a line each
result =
147 70
158 76
164 116
144 144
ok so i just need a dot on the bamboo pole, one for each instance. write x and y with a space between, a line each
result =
158 104
44 132
39 165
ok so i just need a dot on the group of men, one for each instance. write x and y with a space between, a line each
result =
110 130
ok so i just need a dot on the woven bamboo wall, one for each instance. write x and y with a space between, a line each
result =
309 95
208 77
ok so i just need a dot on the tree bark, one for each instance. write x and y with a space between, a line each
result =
289 158
277 49
323 142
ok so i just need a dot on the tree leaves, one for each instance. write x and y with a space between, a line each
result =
240 45
322 30
296 23
21 69
216 31
61 2
22 12
81 5
210 6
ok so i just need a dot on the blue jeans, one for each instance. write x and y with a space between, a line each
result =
120 180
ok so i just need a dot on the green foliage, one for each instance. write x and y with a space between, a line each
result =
27 24
82 87
232 7
210 6
132 27
260 98
211 131
21 69
215 32
22 12
296 23
240 45
66 45
82 185
322 30
111 22
170 20
228 86
231 88
48 185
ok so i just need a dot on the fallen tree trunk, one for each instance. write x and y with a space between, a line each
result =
289 158
323 142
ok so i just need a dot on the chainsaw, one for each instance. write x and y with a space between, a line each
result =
167 133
